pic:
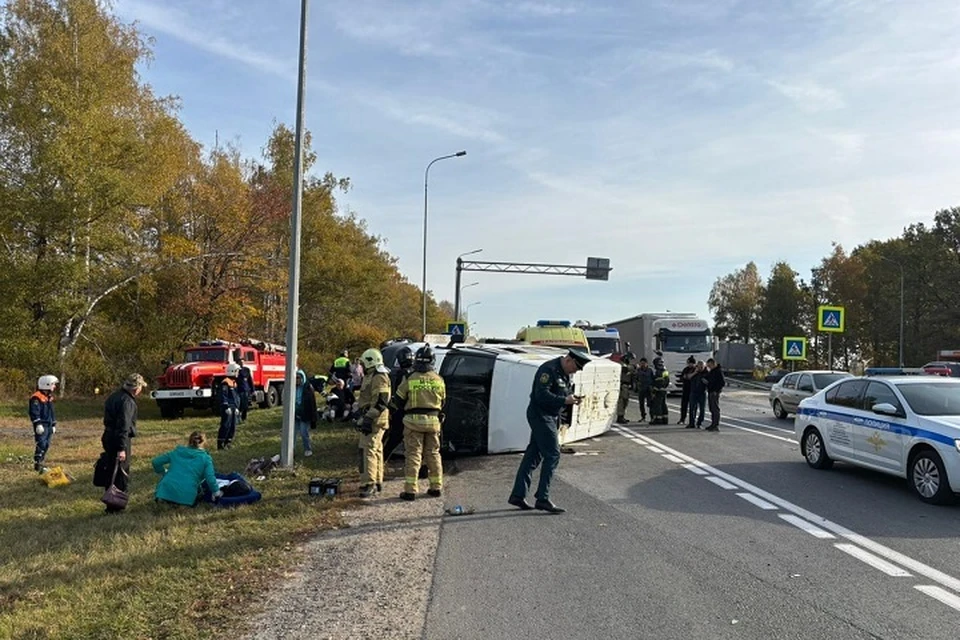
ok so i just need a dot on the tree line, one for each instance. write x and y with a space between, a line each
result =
123 240
867 282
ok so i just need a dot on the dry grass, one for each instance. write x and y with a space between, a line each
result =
67 570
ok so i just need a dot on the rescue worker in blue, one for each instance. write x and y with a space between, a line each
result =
244 389
229 407
42 418
552 392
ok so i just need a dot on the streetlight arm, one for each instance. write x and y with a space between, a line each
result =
426 176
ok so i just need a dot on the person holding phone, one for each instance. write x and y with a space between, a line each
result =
552 392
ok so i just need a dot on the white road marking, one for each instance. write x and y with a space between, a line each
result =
720 482
673 458
692 467
760 424
881 550
942 595
654 449
877 563
803 525
726 423
763 504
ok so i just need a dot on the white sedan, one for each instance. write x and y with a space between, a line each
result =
903 425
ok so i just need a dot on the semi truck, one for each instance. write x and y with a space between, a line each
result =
671 336
193 383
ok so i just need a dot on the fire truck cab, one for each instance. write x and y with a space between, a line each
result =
193 383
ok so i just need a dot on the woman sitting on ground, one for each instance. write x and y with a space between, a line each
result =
183 470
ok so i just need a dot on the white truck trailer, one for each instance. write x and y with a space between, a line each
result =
673 336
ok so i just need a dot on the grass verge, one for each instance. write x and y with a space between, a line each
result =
67 570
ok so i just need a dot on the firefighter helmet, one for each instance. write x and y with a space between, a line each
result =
425 356
233 369
47 382
405 358
372 358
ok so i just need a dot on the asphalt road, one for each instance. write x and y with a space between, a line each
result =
678 533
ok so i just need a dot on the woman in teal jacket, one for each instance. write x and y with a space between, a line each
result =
183 469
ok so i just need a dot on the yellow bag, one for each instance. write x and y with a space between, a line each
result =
55 477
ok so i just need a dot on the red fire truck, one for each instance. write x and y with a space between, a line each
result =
194 382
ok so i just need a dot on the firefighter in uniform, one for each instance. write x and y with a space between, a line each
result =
42 418
422 396
229 407
643 380
627 375
372 419
661 380
552 391
397 375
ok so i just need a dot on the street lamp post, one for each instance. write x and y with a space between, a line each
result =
456 286
460 292
899 266
426 177
467 309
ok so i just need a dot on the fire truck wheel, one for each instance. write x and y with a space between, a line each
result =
272 397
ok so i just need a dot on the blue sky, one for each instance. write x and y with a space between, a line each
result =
679 138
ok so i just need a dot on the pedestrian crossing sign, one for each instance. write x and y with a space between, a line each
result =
794 348
831 319
457 328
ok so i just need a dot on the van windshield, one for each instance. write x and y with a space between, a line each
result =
603 346
206 355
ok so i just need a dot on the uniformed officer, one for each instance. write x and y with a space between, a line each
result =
661 380
341 368
627 374
372 420
229 407
551 393
422 396
644 384
42 418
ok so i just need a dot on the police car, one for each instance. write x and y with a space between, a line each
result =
907 426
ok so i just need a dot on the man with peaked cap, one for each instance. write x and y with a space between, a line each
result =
551 393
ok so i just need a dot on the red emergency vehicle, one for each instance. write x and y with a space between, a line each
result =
195 381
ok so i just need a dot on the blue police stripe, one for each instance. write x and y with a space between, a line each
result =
882 425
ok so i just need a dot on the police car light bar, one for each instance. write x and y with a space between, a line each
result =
553 323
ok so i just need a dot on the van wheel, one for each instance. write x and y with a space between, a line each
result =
928 478
779 411
814 450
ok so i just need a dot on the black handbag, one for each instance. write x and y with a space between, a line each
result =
113 497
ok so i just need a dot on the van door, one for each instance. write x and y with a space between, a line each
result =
468 377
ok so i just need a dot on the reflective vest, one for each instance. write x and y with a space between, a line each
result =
424 394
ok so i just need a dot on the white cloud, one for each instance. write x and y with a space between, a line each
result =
810 96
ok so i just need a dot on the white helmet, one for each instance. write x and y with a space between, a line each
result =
372 358
47 383
233 369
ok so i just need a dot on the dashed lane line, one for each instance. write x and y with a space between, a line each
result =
866 557
697 470
720 482
763 504
942 595
803 525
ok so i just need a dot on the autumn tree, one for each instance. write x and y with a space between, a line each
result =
734 301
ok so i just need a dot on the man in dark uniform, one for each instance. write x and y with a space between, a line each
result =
626 385
643 378
685 386
400 372
244 389
551 393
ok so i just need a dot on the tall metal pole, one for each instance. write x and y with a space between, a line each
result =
901 316
456 295
426 178
293 292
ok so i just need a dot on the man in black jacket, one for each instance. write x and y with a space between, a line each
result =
715 384
685 386
643 379
119 427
